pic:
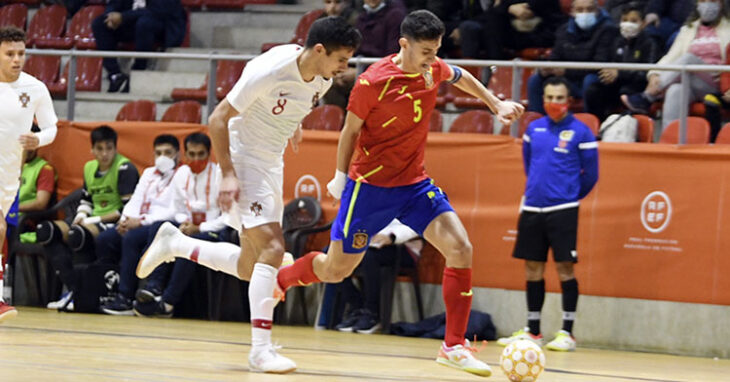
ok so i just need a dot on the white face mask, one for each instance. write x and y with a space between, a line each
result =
630 29
585 20
709 12
370 9
164 164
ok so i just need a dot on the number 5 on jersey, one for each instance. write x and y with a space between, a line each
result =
417 110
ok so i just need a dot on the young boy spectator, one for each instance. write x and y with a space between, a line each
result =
633 46
162 194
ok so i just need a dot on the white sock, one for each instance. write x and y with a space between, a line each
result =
261 301
2 289
216 256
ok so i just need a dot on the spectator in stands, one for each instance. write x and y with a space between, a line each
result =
109 180
616 8
633 46
664 18
159 296
520 24
381 252
470 29
380 27
146 23
587 36
343 8
703 40
716 103
162 194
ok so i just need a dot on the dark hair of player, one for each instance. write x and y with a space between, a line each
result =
103 133
422 25
556 81
199 139
167 138
11 34
334 33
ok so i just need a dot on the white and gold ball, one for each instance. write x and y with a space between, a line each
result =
522 361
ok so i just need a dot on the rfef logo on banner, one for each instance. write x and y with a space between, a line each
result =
308 185
656 212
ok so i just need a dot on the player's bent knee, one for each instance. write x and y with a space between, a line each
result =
45 232
77 237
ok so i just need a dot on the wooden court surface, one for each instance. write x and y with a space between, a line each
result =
43 345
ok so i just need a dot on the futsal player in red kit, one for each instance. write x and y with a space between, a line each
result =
386 128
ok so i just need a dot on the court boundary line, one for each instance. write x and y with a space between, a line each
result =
143 336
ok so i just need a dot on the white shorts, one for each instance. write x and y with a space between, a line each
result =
9 185
261 199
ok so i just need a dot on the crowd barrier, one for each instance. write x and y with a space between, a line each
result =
657 225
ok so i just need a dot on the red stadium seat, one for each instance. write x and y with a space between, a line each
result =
142 110
44 68
436 124
48 22
473 121
324 117
88 77
464 100
192 4
183 111
645 129
526 119
300 33
723 137
15 15
227 73
698 131
79 31
590 120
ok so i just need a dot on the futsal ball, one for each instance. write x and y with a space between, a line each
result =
522 361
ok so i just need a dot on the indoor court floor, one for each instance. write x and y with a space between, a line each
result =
44 345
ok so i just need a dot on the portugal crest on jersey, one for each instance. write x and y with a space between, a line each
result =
24 99
256 208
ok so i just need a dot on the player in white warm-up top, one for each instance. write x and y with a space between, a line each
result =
22 97
249 130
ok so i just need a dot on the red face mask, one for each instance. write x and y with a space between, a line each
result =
556 111
197 166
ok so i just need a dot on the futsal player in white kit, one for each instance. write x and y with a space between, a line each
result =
249 130
22 97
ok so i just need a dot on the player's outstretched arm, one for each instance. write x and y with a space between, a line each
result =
218 128
506 111
345 148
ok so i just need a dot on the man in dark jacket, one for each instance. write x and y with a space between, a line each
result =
664 18
586 37
520 24
143 22
379 25
633 46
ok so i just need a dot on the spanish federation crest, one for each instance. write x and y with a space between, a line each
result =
359 240
429 79
24 99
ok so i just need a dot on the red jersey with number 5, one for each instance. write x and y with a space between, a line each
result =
396 107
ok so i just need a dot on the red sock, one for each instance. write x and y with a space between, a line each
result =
457 293
299 273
